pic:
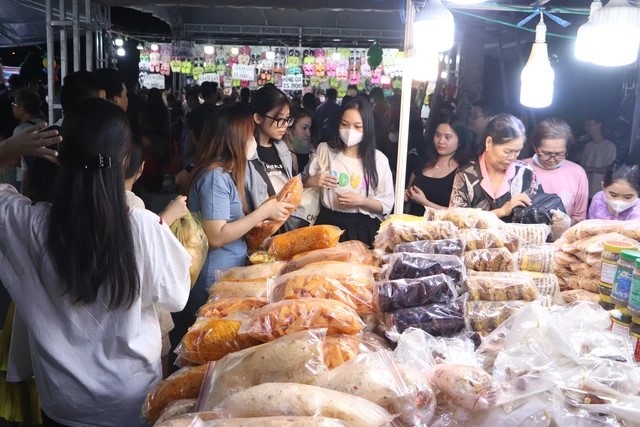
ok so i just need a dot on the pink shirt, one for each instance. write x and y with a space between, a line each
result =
504 185
569 182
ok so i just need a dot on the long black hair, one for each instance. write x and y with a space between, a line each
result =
265 99
463 153
367 148
625 171
90 238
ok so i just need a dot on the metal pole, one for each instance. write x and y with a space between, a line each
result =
76 35
405 109
88 35
503 73
50 56
64 54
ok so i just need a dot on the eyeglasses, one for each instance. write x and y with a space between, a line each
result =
555 156
283 122
13 104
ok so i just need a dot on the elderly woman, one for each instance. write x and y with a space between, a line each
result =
550 140
497 181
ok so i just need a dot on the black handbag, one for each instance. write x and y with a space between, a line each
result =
539 211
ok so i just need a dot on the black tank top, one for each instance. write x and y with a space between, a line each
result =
436 190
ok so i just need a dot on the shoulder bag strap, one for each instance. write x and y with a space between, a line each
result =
257 164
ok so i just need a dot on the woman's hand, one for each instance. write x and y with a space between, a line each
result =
176 209
417 195
560 222
275 210
519 200
322 180
350 200
30 143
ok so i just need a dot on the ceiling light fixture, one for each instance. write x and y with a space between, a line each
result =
140 47
119 42
536 89
120 51
433 28
208 50
234 51
155 47
615 37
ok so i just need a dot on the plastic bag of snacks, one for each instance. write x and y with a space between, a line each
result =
349 283
592 227
176 409
537 259
392 295
548 286
304 400
252 272
435 319
408 228
579 295
485 316
249 289
490 260
226 307
438 247
290 193
351 251
466 386
489 239
412 265
286 317
210 419
295 358
501 287
188 230
261 257
183 384
212 339
465 217
286 245
339 349
529 234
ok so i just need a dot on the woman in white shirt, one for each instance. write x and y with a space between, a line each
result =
356 184
86 273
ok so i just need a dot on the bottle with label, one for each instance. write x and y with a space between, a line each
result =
634 293
606 302
624 276
634 333
610 256
620 321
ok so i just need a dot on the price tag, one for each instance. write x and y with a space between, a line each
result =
243 72
153 81
293 82
209 77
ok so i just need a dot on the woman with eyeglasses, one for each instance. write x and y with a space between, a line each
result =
270 165
497 181
550 141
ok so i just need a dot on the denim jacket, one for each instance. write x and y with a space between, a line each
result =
255 185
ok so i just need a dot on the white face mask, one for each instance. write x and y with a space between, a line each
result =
252 147
351 137
619 206
537 161
393 137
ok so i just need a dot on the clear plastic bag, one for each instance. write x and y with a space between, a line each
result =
466 386
490 260
297 358
351 251
547 284
290 193
183 384
418 349
501 287
435 319
177 408
188 230
408 228
578 295
466 217
485 316
592 227
537 259
208 419
252 272
391 295
437 247
286 245
411 266
249 289
489 239
212 339
339 349
286 317
304 400
349 283
529 234
377 378
226 307
594 245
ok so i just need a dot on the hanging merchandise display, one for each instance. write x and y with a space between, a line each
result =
536 90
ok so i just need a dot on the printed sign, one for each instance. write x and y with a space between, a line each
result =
209 77
243 72
153 81
184 49
293 82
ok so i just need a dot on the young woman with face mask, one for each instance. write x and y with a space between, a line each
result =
298 138
619 198
357 186
550 140
430 185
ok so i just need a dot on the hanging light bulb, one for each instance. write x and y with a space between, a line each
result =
120 51
585 38
616 34
433 28
423 68
336 56
208 50
536 90
234 51
119 42
140 47
154 47
270 54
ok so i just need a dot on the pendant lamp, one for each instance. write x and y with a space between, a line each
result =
423 68
586 36
433 28
536 90
616 34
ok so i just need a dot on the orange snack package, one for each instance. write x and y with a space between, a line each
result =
212 339
285 246
226 307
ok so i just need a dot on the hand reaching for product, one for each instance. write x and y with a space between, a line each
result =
275 210
176 209
560 222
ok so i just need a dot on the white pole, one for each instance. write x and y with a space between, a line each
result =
88 35
76 35
63 41
50 59
405 109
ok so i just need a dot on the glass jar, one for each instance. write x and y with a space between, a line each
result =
610 256
606 302
634 334
620 321
634 294
624 276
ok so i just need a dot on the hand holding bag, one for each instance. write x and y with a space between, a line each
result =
540 209
311 197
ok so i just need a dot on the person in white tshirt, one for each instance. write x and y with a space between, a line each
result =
86 274
356 184
597 155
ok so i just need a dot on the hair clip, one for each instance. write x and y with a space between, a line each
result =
98 162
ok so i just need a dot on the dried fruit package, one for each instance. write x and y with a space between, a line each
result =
226 307
489 239
437 247
485 316
529 234
183 384
412 265
435 319
212 419
392 295
501 287
249 289
286 245
465 217
286 317
537 259
408 228
290 193
349 283
490 260
188 230
252 272
339 349
466 386
353 251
